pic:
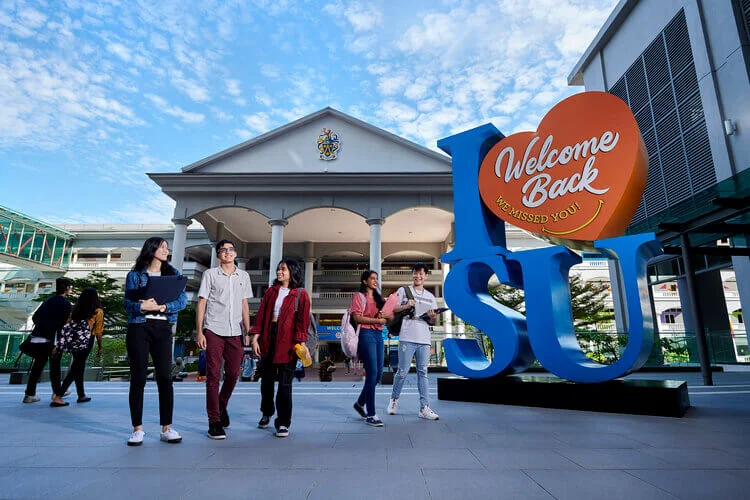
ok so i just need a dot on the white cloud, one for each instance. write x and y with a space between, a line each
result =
120 51
163 106
270 71
264 98
243 134
189 87
259 122
233 87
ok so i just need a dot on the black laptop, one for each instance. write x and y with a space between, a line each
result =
164 289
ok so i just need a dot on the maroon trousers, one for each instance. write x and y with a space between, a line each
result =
230 349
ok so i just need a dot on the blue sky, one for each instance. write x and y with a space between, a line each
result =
94 94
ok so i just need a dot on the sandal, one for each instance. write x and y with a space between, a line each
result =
84 399
55 404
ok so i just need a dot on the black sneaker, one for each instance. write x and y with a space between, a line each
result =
360 409
216 431
224 418
264 421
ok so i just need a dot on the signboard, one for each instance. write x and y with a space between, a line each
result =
580 176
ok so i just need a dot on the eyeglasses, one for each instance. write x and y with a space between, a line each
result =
227 250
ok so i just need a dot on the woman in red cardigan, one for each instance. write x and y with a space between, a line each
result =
277 330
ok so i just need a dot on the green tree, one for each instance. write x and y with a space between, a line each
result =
587 301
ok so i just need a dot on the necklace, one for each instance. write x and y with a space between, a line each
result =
418 294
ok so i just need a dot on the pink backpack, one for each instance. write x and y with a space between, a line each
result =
350 333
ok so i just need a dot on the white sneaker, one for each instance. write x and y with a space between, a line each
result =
427 413
30 399
282 432
170 436
136 439
392 407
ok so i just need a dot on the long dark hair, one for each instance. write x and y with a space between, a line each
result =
86 305
150 246
379 302
296 276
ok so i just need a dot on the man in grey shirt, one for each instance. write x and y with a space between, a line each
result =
221 313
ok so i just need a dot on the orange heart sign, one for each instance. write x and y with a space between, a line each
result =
580 176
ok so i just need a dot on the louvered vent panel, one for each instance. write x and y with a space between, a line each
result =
643 117
691 112
678 43
640 214
637 91
663 103
745 5
654 194
657 73
686 83
667 130
649 139
661 89
675 173
620 91
700 163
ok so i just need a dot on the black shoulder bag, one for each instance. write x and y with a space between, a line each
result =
394 325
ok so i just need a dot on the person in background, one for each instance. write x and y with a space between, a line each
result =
248 367
178 371
348 365
222 309
326 369
414 341
150 332
299 371
282 322
89 308
365 309
48 321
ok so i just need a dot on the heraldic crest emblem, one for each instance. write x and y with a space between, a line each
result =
328 144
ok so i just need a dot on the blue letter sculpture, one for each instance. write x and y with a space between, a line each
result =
547 332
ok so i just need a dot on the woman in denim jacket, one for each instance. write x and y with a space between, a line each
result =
150 332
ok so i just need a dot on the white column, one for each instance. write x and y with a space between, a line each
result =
214 257
109 256
447 315
277 246
178 242
309 266
75 256
618 297
376 226
36 287
242 263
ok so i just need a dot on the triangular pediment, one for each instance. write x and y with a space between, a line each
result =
293 148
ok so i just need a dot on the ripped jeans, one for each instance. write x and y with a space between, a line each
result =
407 351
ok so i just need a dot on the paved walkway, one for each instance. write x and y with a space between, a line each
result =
473 451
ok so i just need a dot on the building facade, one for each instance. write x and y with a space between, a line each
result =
682 68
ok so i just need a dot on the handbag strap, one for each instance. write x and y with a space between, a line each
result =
407 290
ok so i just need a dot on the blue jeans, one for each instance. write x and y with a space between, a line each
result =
370 351
406 351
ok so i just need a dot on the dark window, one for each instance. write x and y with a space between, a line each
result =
661 88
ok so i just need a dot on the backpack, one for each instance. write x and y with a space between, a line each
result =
394 325
349 332
74 336
312 329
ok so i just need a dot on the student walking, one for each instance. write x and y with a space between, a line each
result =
365 309
88 308
150 332
222 310
48 321
414 341
282 322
